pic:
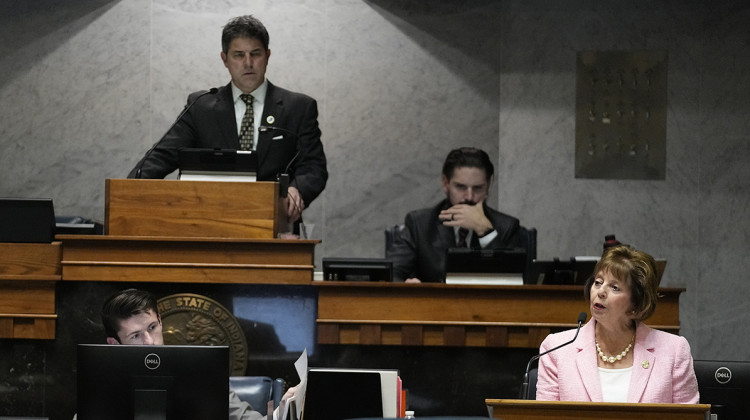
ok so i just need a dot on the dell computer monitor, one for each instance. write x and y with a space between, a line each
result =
726 386
118 382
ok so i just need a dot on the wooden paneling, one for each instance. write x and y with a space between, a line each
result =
28 273
21 326
30 261
456 315
27 297
186 260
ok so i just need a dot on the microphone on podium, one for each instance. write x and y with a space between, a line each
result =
211 91
525 385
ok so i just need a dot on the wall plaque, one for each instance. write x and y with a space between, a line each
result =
621 115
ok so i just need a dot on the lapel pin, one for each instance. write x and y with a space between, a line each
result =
645 364
270 119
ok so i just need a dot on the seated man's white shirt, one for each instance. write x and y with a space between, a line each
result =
483 241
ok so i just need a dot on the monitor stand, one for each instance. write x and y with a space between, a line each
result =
150 404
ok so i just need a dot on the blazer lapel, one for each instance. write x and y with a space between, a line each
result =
225 119
643 363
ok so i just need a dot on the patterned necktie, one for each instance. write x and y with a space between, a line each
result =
462 233
246 130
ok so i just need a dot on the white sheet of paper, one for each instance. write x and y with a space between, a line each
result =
299 395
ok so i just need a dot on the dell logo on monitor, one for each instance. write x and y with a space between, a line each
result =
723 375
152 361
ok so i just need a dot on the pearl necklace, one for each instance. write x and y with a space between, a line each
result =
613 359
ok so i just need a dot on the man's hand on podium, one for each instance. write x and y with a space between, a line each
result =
294 204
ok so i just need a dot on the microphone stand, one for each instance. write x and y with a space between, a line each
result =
179 117
525 385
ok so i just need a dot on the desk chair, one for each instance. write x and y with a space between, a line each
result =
528 242
258 390
392 234
532 383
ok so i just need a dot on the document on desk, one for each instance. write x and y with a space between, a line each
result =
291 409
492 279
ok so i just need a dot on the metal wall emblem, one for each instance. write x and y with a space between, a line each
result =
621 115
191 319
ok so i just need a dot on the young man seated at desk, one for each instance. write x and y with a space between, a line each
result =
131 317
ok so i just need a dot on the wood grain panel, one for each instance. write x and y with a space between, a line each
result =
550 305
412 335
453 315
147 207
32 261
186 260
27 297
27 327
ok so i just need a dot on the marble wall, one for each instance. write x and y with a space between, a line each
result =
88 86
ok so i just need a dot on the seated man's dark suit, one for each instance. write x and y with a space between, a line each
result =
420 250
211 123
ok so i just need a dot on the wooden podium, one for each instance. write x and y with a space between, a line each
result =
567 410
190 232
206 209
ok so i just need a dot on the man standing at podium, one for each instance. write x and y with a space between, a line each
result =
463 219
249 113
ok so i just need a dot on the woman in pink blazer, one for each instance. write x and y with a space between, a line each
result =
617 358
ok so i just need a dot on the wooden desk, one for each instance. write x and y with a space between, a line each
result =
565 410
28 273
458 315
186 260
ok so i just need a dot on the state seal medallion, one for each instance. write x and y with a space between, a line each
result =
190 319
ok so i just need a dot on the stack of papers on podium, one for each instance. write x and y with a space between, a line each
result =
216 176
496 279
217 165
485 266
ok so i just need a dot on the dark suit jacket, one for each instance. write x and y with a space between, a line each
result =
211 123
420 250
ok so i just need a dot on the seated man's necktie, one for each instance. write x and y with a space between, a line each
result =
462 234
